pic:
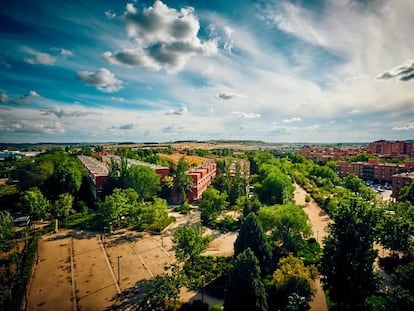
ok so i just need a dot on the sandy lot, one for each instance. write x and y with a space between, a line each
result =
79 270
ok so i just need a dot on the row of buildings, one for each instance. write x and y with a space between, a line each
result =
98 175
381 148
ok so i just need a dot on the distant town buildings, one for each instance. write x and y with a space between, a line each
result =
391 149
326 154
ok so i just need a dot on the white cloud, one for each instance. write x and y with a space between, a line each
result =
117 99
354 111
165 38
292 120
103 79
4 98
247 115
405 127
226 96
178 112
22 100
60 113
109 14
39 58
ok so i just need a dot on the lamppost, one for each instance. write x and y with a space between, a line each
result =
119 271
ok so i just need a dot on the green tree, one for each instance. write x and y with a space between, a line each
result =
67 177
212 204
144 180
292 277
395 233
118 206
348 256
276 188
288 224
155 215
189 242
252 235
183 181
32 174
6 231
244 287
407 193
63 206
34 203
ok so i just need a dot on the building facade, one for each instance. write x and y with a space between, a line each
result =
400 181
374 170
97 175
202 177
391 149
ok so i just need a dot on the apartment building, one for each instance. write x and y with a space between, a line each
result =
97 175
325 154
391 149
400 181
202 176
374 170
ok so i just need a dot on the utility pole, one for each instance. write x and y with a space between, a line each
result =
119 271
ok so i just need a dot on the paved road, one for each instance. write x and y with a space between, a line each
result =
318 220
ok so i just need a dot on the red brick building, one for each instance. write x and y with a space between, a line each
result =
374 170
202 177
400 181
325 154
391 149
97 175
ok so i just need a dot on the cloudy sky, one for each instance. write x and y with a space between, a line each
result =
278 71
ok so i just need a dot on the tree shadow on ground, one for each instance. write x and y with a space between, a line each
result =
130 298
115 240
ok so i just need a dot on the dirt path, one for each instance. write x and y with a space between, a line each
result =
318 220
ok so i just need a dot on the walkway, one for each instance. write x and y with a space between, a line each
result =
318 220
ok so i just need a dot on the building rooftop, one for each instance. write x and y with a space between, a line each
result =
96 167
136 162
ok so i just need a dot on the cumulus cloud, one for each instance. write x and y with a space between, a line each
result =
103 79
247 115
60 113
226 96
404 72
26 126
404 127
178 112
22 100
40 58
165 38
292 120
354 111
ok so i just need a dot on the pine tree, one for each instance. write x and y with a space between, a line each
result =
244 287
252 236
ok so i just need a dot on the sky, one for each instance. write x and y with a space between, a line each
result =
145 71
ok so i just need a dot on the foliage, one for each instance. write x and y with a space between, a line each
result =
407 193
244 287
310 251
144 180
355 184
348 256
211 205
183 181
252 236
63 206
395 233
292 278
288 224
34 203
6 231
189 242
248 205
155 215
273 187
67 176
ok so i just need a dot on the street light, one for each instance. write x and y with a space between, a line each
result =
119 271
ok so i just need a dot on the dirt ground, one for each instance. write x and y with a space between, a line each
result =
319 221
78 270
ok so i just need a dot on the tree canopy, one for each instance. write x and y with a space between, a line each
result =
144 180
212 204
189 242
244 287
348 256
34 203
6 231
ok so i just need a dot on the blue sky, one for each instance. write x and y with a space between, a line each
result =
278 71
